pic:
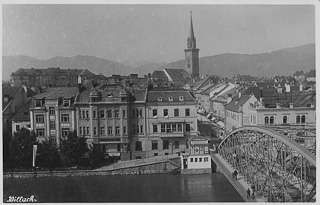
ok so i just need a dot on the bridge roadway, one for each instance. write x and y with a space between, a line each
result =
240 185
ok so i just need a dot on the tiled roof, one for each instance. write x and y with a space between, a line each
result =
139 95
153 95
23 114
201 82
253 90
55 93
208 88
177 74
10 92
298 98
158 74
236 102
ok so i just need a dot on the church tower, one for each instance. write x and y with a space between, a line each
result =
192 53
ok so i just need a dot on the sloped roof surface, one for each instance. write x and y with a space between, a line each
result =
10 92
23 114
236 102
153 95
158 74
177 74
55 93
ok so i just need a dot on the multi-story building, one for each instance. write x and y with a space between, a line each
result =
52 113
171 121
48 77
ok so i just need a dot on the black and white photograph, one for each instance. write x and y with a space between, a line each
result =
159 102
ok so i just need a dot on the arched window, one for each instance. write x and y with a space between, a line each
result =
271 120
303 119
298 119
266 120
138 146
285 119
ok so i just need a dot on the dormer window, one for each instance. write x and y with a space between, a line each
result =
38 103
66 103
181 98
159 98
109 95
170 98
6 99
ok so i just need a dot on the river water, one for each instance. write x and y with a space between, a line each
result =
125 188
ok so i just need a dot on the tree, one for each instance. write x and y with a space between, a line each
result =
73 149
48 155
21 148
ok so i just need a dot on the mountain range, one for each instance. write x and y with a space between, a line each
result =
281 62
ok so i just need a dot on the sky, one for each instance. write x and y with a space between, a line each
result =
152 33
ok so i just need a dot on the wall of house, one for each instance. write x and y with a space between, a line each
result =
25 124
199 161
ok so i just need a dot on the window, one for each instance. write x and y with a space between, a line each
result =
65 132
191 159
87 113
137 129
174 127
80 128
195 159
141 128
154 145
154 112
39 118
179 127
40 132
266 120
165 112
298 119
170 98
102 131
52 125
159 98
168 128
95 131
155 128
66 103
52 111
109 130
181 98
109 113
176 112
116 113
165 144
124 130
80 114
271 120
163 128
38 103
83 114
176 144
17 127
88 131
205 159
284 120
117 130
124 113
140 113
64 117
101 114
303 119
155 154
200 159
187 112
94 114
138 146
188 128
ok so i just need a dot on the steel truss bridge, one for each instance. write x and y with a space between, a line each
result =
273 164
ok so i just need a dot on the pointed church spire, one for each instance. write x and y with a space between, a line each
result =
191 34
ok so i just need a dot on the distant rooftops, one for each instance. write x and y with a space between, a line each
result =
58 92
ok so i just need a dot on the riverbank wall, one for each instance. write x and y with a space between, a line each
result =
150 168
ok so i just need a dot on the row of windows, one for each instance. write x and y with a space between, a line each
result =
270 120
41 132
137 113
205 159
165 145
175 112
181 98
64 118
102 114
137 129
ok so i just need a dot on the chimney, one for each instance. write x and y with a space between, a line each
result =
291 105
229 98
300 87
278 105
312 104
239 94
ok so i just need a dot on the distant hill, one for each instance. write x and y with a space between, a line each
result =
281 62
96 65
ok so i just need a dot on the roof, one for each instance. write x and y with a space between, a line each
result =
265 84
155 94
23 114
47 71
177 74
158 74
57 92
298 98
237 102
201 82
10 92
253 90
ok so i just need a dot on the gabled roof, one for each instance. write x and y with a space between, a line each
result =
10 92
237 102
253 90
177 74
201 82
55 93
23 114
164 94
158 74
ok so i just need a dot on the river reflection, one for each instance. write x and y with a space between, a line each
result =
126 188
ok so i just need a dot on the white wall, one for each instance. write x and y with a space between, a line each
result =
198 164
